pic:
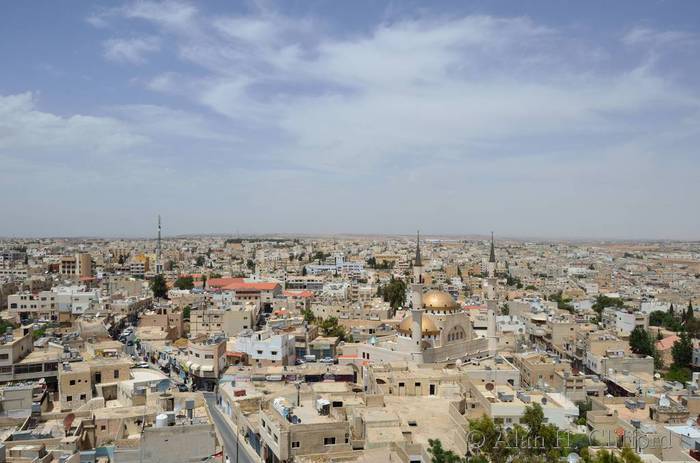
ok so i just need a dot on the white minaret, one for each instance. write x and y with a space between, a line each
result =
491 302
417 298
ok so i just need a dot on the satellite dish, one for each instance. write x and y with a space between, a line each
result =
664 401
489 386
544 401
573 458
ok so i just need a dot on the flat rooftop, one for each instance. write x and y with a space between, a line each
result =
430 415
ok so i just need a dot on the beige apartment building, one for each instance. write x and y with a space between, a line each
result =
33 306
167 319
79 382
287 431
206 359
228 321
79 265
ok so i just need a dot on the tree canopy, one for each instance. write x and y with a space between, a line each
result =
184 282
394 293
682 351
602 301
330 327
159 287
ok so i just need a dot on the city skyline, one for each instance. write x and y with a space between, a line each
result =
546 121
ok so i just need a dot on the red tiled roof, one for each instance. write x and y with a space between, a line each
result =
235 284
299 293
667 342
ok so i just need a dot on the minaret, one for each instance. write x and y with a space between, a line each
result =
492 259
418 263
417 298
159 263
491 302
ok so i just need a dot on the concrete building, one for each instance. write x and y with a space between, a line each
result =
265 348
229 319
206 359
80 382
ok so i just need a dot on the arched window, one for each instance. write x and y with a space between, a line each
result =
456 334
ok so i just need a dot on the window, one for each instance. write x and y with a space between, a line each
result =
72 382
69 398
83 397
208 356
116 373
4 356
329 441
295 444
103 427
23 369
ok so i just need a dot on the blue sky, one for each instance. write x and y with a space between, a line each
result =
535 119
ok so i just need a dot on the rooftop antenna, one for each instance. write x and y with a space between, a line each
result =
159 265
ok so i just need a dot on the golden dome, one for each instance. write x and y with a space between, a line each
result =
429 326
439 300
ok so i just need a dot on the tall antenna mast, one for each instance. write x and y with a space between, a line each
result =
159 264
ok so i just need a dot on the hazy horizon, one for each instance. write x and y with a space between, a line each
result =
542 120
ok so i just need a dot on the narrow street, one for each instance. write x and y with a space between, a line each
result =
226 431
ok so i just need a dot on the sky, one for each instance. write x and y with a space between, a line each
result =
550 119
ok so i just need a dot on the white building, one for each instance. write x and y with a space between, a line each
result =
265 348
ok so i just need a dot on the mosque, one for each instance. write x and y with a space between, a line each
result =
436 329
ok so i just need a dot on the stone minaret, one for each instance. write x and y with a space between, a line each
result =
417 297
491 302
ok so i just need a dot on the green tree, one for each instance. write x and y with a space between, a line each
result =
533 418
641 341
682 351
440 455
505 310
563 303
689 313
186 312
395 293
602 301
184 282
159 287
330 327
308 316
200 261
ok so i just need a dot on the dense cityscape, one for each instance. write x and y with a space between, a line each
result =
367 231
362 349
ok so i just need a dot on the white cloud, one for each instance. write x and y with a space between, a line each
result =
26 131
640 35
132 50
438 111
